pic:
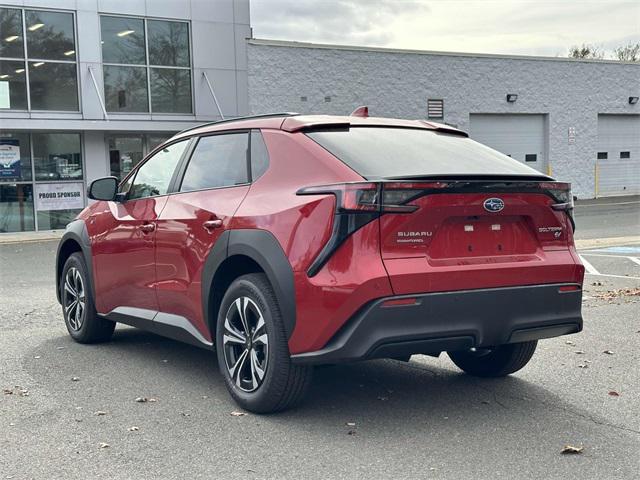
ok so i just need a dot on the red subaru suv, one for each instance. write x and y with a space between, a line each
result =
286 241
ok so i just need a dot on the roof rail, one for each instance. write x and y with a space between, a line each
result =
248 117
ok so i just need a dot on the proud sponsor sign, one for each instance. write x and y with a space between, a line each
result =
59 196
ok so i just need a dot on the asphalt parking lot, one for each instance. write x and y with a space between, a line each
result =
70 410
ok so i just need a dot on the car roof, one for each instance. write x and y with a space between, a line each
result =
294 122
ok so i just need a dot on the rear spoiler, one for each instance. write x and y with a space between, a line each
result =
305 124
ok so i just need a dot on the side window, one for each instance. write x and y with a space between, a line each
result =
217 161
154 176
259 155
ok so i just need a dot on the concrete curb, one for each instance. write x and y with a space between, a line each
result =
29 237
606 242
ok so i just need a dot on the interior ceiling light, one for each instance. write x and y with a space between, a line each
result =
4 76
37 64
12 38
124 33
19 70
35 27
69 52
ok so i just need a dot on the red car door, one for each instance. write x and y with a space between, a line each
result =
214 183
123 238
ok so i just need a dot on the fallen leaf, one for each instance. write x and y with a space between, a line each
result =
100 413
133 429
237 414
579 352
570 449
60 348
7 391
608 352
613 393
152 400
569 342
351 432
104 445
142 399
583 365
185 414
75 379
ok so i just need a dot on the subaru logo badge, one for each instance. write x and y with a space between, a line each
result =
493 205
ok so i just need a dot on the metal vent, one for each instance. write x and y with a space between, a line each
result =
435 108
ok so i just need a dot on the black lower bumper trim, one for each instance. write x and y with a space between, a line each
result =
449 321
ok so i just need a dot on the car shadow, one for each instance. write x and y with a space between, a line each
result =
379 397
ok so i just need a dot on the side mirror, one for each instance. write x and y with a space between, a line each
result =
104 188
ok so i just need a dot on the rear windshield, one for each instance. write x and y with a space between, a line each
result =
382 152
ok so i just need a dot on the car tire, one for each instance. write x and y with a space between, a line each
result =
266 381
496 362
78 307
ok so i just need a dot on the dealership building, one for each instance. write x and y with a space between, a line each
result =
88 87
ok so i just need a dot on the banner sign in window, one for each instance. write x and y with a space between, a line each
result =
59 196
9 158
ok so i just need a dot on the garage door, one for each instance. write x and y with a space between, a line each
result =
519 136
618 155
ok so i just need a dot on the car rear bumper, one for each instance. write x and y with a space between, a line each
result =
448 321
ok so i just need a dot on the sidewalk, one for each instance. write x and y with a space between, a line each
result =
22 237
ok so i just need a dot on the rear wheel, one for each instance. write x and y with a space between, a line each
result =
80 316
252 349
494 362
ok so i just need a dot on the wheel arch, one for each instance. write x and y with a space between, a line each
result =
75 239
238 252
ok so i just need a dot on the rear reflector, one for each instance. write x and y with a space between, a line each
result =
569 288
399 301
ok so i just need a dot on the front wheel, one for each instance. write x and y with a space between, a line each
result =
252 348
80 316
494 362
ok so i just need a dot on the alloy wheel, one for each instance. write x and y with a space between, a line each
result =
74 299
246 344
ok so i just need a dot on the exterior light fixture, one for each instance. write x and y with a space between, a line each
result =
35 27
12 38
633 100
512 97
124 33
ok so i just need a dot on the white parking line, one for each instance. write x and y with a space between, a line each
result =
634 260
590 268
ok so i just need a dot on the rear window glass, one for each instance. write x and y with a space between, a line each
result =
380 152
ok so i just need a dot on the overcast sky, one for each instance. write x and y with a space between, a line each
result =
541 27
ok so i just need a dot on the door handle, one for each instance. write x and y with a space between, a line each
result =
211 224
148 227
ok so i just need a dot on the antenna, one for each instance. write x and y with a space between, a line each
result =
362 111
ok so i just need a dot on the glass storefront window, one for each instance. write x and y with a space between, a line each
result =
123 40
50 35
156 139
60 94
11 41
16 208
168 43
57 156
125 89
15 157
133 81
124 154
170 90
47 55
13 85
56 219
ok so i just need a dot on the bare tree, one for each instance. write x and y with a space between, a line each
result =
586 51
628 53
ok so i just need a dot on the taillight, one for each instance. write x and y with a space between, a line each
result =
357 204
561 193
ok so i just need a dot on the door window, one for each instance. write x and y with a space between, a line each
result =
217 161
154 176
